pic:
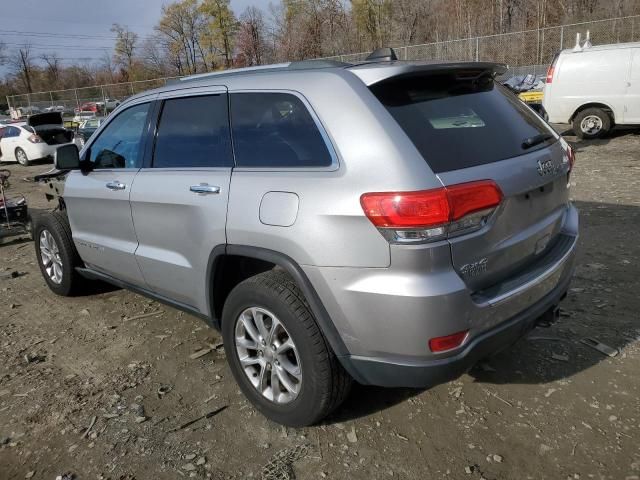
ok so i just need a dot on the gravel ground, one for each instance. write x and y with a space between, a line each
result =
89 390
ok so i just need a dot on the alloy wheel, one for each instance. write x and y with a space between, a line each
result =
22 157
50 256
268 355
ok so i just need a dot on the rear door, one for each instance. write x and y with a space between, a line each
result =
632 103
98 201
179 201
467 129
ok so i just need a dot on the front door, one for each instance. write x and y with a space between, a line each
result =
179 202
632 103
98 202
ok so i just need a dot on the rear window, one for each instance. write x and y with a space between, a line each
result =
273 129
460 123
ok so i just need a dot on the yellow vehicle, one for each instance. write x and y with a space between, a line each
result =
532 96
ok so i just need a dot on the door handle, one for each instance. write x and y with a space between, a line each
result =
205 188
116 185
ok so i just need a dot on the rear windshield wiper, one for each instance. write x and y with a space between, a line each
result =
536 140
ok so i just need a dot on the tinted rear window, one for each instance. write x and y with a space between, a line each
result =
275 130
458 123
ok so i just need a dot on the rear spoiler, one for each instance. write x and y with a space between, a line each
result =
372 73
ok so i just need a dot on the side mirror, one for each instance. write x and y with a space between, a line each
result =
67 157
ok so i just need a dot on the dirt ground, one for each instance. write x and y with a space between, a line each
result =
86 389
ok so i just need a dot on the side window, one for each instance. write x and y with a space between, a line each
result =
11 132
273 129
1 132
193 132
119 145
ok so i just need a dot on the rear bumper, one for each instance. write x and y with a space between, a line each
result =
377 371
36 151
387 316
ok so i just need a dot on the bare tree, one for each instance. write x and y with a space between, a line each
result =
3 53
124 50
155 56
52 69
251 38
23 66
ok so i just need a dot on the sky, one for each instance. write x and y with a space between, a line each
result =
61 26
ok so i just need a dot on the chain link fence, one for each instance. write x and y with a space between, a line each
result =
530 47
99 99
529 51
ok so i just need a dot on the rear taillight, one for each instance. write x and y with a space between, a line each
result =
404 217
552 69
34 138
568 156
571 156
448 342
550 72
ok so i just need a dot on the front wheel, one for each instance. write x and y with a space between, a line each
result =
56 254
22 158
277 353
591 123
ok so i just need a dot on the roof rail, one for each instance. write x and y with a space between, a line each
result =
320 63
231 71
275 67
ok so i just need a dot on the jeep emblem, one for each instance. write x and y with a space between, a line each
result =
547 167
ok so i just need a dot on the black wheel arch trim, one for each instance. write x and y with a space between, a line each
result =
291 266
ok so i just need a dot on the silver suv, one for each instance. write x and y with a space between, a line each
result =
388 222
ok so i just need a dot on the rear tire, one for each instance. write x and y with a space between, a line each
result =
322 385
57 255
591 123
22 158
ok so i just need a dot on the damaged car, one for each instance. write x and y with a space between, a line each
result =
36 138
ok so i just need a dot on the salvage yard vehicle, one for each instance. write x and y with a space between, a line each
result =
395 231
80 117
35 139
529 89
86 129
108 105
594 88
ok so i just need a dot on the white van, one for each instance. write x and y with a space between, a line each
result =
594 88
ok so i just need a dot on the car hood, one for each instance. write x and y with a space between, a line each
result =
49 118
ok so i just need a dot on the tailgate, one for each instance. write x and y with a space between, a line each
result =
523 227
468 128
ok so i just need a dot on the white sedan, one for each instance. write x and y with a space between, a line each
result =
37 138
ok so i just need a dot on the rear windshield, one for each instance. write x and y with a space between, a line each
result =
459 123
